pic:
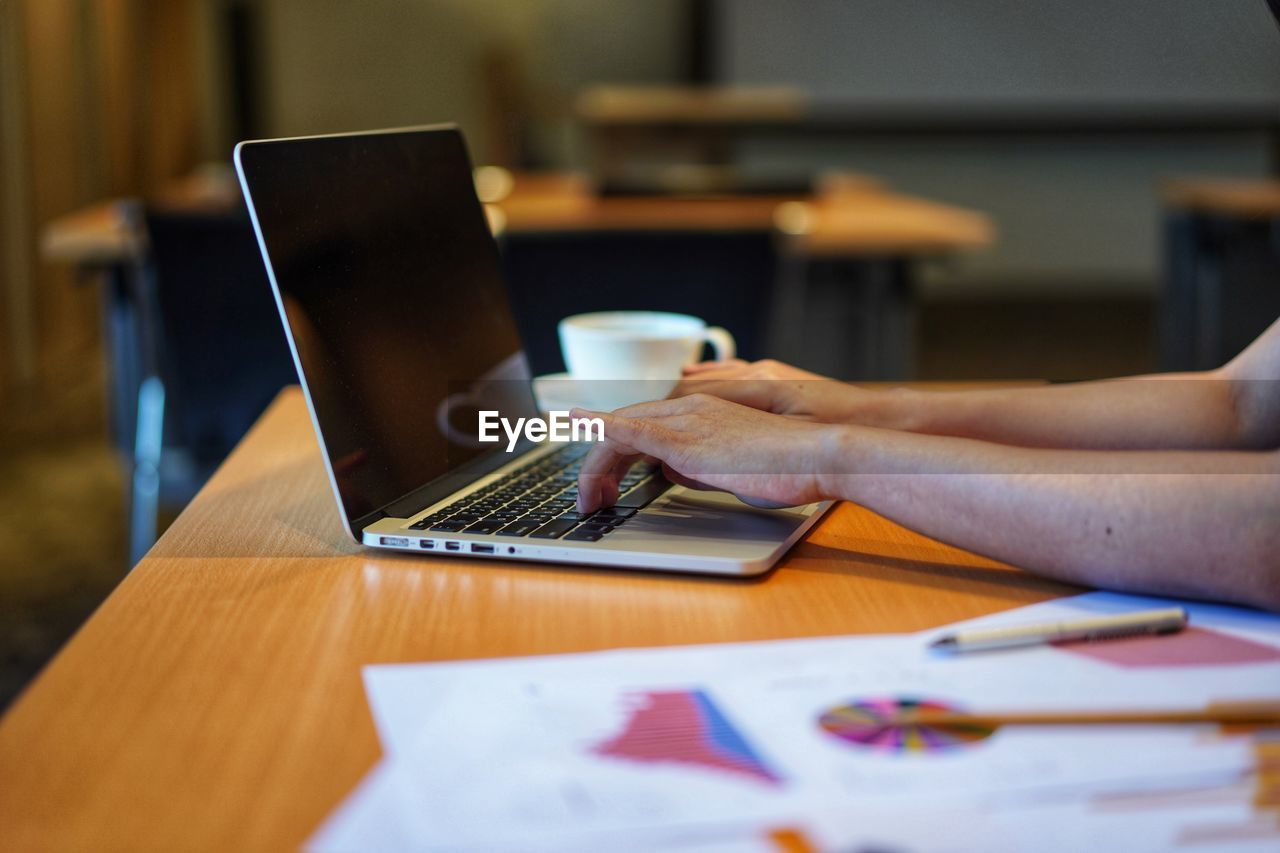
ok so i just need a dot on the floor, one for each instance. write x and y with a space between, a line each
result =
62 510
62 537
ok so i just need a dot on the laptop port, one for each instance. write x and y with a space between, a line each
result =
453 546
477 548
396 541
428 544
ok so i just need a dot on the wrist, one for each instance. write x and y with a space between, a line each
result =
891 408
840 458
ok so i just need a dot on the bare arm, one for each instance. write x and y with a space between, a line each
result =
1203 524
1237 406
1195 523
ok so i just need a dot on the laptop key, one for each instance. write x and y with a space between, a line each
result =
449 526
581 535
488 525
553 529
595 527
521 527
615 513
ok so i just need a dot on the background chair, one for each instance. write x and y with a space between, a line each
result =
219 356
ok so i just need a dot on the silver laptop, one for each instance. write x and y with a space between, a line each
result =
391 291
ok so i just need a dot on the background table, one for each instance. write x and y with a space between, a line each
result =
1221 268
821 279
215 701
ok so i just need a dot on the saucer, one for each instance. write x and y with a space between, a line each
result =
561 392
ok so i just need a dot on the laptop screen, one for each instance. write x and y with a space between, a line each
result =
395 302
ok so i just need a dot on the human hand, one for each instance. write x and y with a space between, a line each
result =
708 443
775 387
736 368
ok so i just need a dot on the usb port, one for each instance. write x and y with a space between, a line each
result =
453 546
477 548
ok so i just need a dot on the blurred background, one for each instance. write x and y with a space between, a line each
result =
875 189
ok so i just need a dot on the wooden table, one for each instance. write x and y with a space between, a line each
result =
215 702
848 215
853 218
846 253
1239 197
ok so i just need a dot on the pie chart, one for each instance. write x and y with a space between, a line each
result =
873 724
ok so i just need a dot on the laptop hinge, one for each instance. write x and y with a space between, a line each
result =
359 524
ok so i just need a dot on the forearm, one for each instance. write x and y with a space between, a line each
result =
1189 411
1207 527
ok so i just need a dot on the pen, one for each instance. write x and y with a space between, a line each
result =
1166 621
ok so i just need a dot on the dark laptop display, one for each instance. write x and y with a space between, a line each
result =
392 287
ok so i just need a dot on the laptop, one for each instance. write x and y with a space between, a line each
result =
390 287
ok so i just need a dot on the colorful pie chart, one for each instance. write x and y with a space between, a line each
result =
874 724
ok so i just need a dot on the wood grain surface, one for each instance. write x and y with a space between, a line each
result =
214 701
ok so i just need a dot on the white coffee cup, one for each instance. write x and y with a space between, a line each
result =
648 345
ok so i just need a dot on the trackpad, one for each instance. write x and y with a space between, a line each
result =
691 513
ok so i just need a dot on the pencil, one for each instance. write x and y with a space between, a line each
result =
1260 713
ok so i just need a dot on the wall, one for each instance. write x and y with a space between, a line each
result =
335 65
1074 212
98 101
1074 215
1026 52
51 324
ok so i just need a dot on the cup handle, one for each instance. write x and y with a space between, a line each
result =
721 343
444 421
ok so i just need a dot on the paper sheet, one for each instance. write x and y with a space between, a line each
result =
613 747
714 746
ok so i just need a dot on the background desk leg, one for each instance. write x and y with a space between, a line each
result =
876 298
144 494
1207 309
1177 300
786 329
124 359
895 316
852 318
832 333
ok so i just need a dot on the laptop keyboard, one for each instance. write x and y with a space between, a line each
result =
539 501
